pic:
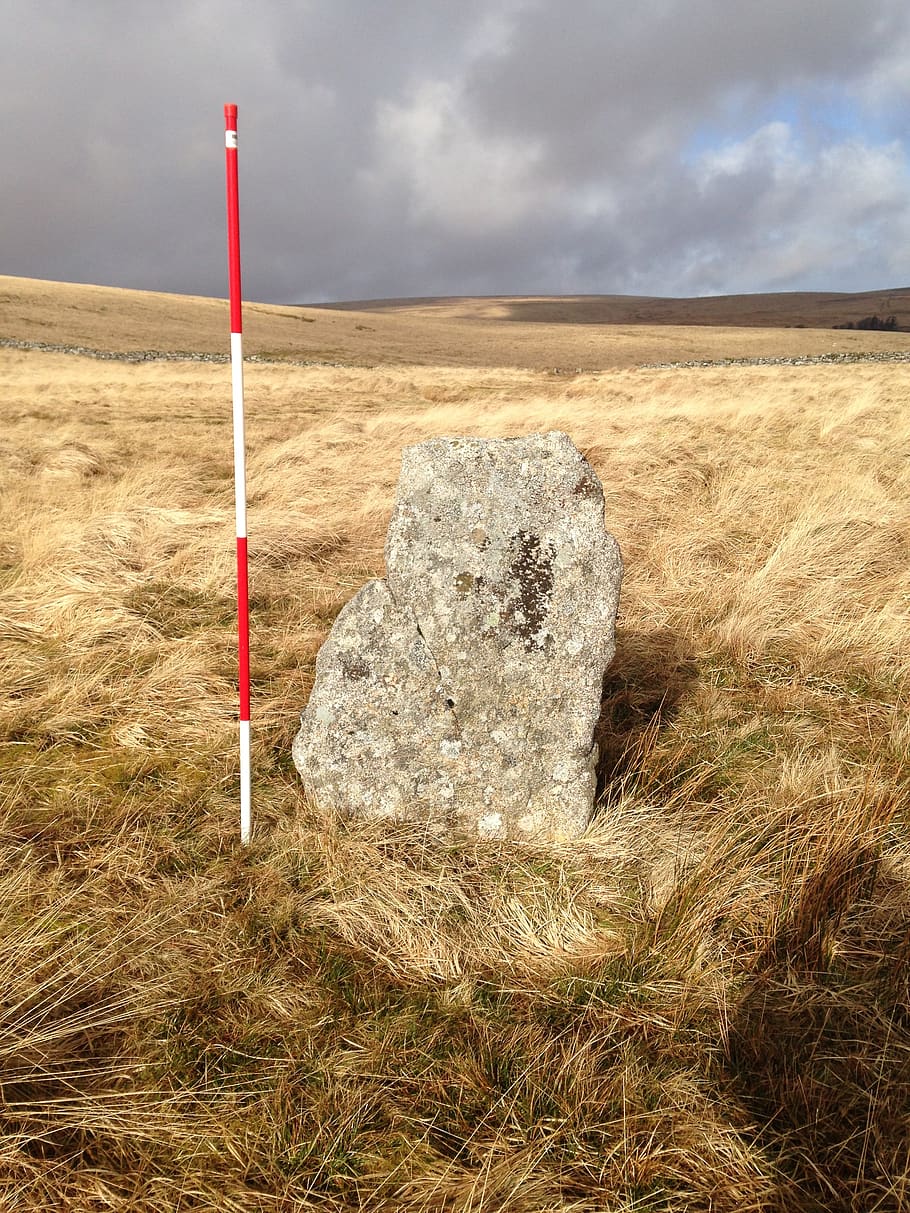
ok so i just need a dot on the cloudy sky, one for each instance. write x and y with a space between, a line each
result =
428 147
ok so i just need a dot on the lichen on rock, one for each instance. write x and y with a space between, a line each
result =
465 686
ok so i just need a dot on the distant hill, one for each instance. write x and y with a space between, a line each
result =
789 309
595 332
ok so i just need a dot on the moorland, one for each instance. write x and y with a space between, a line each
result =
704 1004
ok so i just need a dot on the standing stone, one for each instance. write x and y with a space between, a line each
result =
464 688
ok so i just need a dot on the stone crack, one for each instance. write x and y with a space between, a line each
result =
448 700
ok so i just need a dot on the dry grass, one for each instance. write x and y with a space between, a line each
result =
541 334
702 1006
788 309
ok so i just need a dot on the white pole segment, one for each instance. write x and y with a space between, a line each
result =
246 808
239 442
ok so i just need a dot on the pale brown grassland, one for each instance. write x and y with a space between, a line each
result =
540 334
703 1005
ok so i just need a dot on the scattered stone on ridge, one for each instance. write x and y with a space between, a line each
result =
464 688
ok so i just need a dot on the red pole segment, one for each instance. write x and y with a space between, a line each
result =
243 596
233 215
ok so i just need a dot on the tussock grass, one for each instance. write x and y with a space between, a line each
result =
701 1005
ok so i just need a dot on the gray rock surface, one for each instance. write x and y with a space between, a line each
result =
464 688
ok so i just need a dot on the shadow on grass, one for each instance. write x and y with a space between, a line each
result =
649 677
819 1046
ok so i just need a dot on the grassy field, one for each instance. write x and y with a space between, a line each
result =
703 1005
540 334
791 309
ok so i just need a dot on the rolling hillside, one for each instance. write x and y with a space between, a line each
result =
588 334
701 1005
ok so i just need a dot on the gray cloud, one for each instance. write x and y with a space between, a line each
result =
494 146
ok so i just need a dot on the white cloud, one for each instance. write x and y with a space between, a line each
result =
454 176
770 148
809 216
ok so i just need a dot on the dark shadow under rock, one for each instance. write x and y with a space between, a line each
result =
651 673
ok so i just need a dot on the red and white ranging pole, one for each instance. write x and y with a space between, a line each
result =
243 594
